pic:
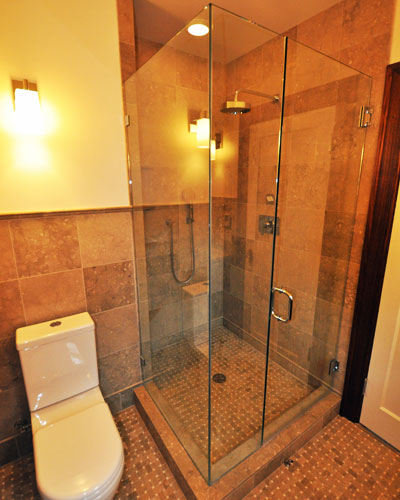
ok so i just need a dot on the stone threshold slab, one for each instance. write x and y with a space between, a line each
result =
241 452
239 481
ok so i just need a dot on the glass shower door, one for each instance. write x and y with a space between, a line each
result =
247 83
321 156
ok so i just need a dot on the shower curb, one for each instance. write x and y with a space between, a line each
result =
239 481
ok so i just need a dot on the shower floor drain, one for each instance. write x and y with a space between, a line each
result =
219 378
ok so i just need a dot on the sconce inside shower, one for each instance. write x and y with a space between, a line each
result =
201 127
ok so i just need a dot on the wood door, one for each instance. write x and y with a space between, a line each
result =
376 245
381 406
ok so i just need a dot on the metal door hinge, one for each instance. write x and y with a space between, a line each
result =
365 386
334 366
127 120
365 116
142 361
22 424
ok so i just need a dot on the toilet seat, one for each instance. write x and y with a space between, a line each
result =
80 456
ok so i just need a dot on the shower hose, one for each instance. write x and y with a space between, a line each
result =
169 223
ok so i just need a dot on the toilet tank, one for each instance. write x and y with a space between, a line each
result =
58 359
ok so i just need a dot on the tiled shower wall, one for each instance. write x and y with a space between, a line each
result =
324 274
53 266
321 153
322 234
357 33
176 311
169 172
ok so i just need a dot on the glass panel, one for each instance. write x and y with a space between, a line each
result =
206 233
248 58
170 193
322 147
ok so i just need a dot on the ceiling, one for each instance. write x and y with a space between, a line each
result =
160 20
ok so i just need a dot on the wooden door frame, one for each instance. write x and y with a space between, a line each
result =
376 247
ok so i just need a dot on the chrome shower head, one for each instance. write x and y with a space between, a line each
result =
236 107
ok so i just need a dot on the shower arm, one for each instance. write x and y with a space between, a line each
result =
275 98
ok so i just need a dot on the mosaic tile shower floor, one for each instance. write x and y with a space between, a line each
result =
236 408
344 461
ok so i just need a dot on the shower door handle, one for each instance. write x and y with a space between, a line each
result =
290 304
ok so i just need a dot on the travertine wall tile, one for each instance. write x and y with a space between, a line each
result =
116 329
126 32
14 400
322 220
53 295
45 245
127 56
51 284
9 364
105 238
109 286
8 270
126 27
323 31
144 50
11 311
119 370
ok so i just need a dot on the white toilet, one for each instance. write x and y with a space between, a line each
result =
78 450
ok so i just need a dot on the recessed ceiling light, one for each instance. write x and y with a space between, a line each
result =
198 28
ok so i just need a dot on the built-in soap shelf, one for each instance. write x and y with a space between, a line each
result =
196 289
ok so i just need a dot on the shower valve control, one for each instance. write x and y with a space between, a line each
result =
266 224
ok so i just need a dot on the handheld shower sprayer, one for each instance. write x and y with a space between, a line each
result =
189 220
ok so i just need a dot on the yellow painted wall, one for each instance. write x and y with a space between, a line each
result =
395 48
70 49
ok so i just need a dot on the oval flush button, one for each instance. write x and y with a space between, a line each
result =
55 323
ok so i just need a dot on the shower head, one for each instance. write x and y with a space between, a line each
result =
237 107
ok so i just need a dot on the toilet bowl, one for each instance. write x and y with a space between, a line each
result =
78 451
77 448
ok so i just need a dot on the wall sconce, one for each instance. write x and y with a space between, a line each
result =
28 116
203 132
201 127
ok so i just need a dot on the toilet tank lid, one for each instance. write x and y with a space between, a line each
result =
31 336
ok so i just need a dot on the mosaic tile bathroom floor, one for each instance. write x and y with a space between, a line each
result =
236 409
344 461
146 475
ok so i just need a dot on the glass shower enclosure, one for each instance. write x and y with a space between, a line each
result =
245 151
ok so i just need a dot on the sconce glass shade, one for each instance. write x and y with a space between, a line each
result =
213 149
27 111
203 132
